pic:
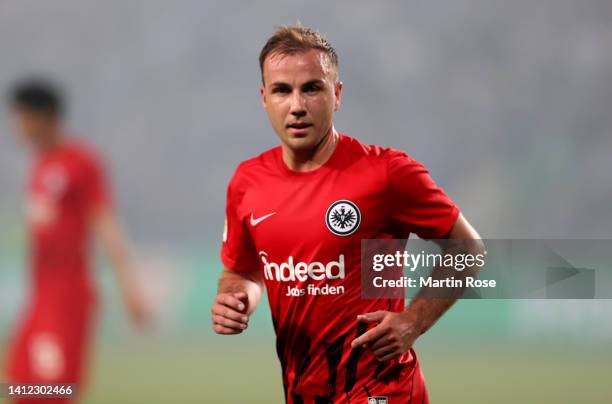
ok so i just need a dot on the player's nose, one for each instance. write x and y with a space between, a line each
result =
298 107
298 113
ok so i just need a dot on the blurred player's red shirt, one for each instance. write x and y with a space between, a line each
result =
303 230
66 185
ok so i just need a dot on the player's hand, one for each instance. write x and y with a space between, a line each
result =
137 308
229 313
393 336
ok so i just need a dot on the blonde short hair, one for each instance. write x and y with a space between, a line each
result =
292 39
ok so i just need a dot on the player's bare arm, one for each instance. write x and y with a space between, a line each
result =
397 332
237 297
108 230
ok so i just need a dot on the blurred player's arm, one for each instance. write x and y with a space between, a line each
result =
110 234
237 297
396 332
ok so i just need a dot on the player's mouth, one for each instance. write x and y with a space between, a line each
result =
298 128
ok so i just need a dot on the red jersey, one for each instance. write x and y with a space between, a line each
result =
66 185
304 231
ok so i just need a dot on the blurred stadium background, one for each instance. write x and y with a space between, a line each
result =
507 103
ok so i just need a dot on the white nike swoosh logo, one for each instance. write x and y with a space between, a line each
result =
255 222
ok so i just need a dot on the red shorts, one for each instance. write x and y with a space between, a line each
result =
394 385
51 346
405 387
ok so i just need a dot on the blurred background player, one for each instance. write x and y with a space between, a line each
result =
67 200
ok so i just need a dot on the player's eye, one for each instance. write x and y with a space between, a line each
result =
281 90
311 88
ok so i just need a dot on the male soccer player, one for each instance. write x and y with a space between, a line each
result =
295 218
67 199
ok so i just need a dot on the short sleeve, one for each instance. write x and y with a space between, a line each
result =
418 204
95 185
237 250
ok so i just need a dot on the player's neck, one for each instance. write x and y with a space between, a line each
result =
49 141
309 160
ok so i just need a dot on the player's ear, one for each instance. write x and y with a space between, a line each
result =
338 94
262 93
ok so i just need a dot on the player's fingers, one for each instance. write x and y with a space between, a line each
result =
244 298
376 316
381 342
224 311
389 356
219 329
229 300
369 337
241 296
226 322
383 351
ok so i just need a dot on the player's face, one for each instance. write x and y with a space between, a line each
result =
300 94
32 127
